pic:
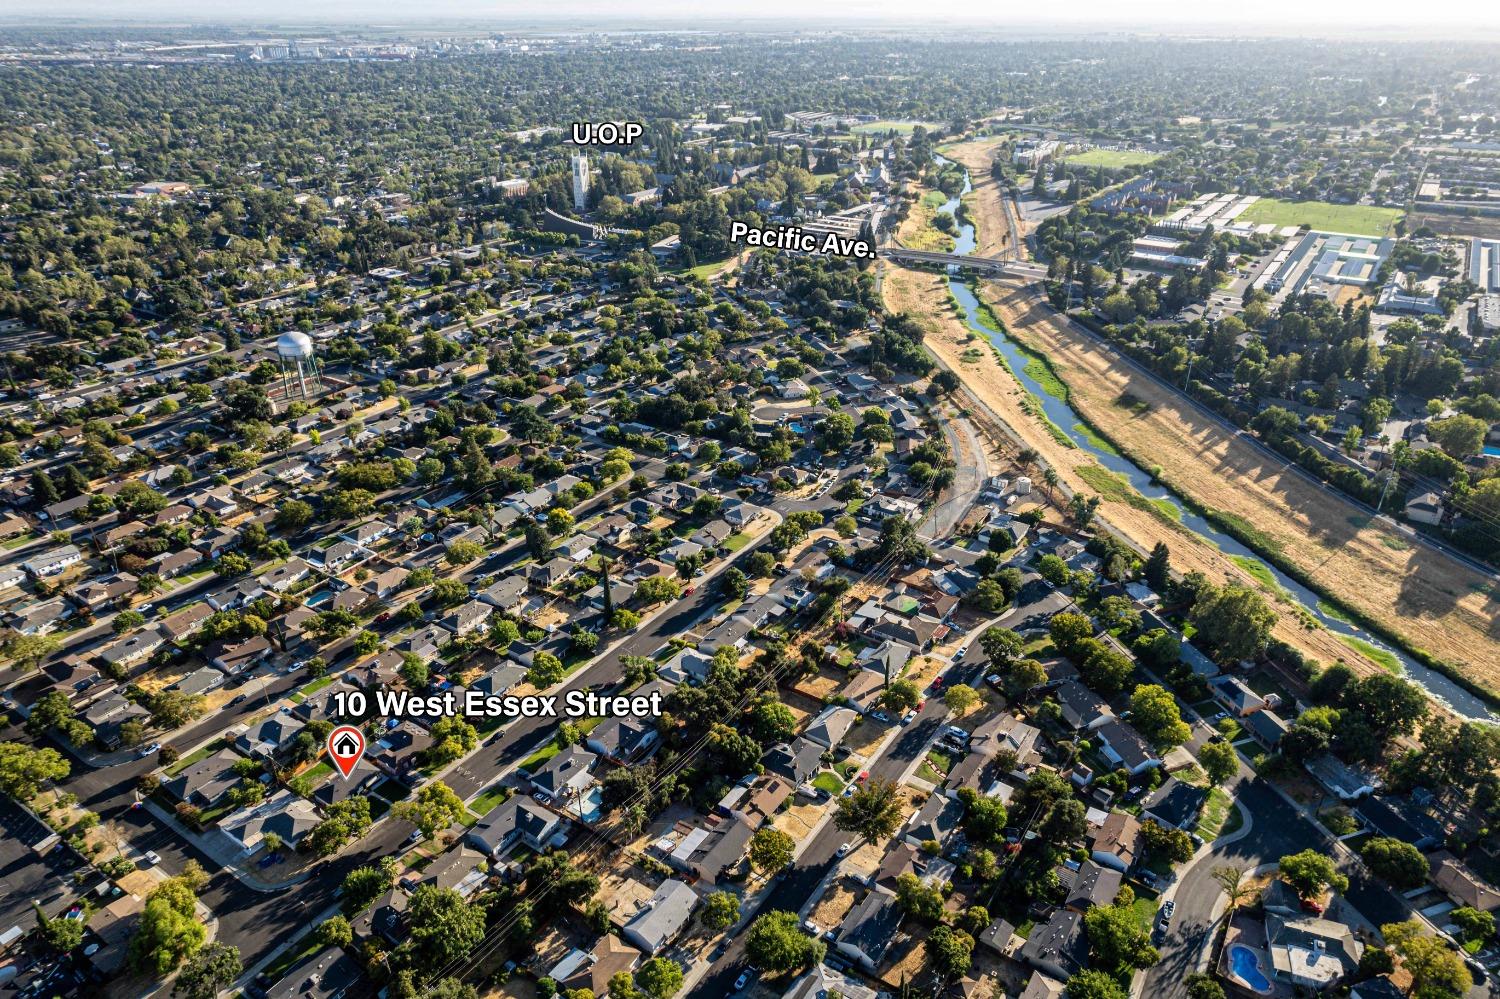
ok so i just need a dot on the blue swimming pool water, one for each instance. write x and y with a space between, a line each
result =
1246 966
1492 450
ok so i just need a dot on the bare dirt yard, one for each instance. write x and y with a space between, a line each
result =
924 296
1438 603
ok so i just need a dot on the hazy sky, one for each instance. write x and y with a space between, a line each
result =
1454 17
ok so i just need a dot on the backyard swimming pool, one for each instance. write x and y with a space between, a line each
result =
1246 967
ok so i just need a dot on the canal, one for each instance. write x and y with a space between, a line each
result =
1061 413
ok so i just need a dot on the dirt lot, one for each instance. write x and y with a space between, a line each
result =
836 902
800 818
924 295
1437 602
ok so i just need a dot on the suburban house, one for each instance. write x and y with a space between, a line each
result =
1175 804
205 783
1124 747
659 920
516 820
869 929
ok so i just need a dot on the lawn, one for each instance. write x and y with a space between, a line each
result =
489 799
936 767
1144 911
900 127
1211 823
315 686
1112 159
1364 220
828 781
735 542
551 749
201 754
306 946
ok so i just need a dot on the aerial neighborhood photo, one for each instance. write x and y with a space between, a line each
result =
505 499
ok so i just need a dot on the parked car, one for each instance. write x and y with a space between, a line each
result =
844 849
907 718
746 977
1166 914
146 751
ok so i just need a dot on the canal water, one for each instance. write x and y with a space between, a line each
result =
1062 414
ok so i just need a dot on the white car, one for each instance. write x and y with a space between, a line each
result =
146 751
746 977
153 858
844 849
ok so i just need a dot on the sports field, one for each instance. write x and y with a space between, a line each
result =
1360 220
1112 159
881 127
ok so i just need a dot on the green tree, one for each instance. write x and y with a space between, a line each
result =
1235 620
1203 987
771 850
721 910
1154 712
364 885
209 972
659 978
1310 872
1118 943
62 935
168 931
951 951
444 927
1091 984
28 652
776 943
873 811
1219 760
1461 435
773 721
1474 924
1172 845
961 699
900 696
1002 645
335 932
50 710
546 669
461 553
434 809
1398 862
1434 968
23 769
343 821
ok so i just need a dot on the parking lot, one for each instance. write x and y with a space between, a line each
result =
28 876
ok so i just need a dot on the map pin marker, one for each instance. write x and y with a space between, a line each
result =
346 744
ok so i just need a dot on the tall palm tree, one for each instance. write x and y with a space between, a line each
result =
1049 476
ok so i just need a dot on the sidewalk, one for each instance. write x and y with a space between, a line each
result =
750 905
222 853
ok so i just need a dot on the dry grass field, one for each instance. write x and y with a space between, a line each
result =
984 204
925 296
1436 602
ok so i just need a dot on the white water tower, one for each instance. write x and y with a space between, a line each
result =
298 365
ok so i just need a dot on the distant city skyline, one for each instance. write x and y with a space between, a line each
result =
1269 17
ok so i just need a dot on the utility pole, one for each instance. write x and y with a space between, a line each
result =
1389 478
